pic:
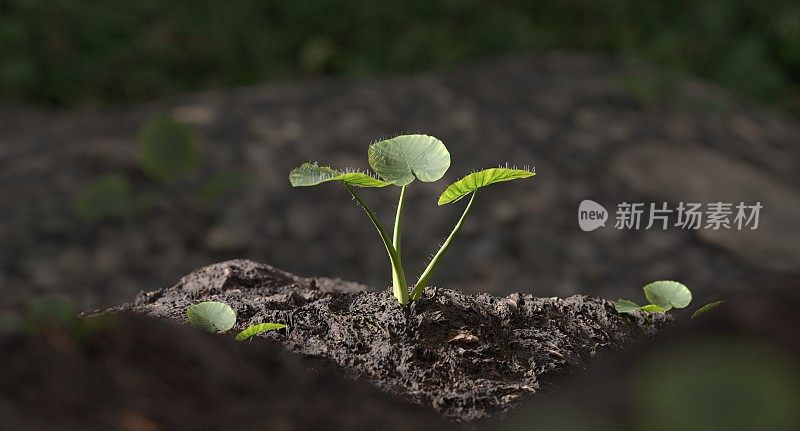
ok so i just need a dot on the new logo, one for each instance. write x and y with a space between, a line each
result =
591 215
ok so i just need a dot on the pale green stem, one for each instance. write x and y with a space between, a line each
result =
426 275
399 284
398 217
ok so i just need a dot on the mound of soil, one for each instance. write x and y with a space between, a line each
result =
144 374
467 356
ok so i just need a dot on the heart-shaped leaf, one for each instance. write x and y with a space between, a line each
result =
476 180
706 308
257 329
311 174
399 160
625 306
668 294
211 316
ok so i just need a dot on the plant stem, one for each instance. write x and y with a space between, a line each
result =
397 219
426 275
399 284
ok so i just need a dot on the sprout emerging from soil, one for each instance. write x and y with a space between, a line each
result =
399 161
219 317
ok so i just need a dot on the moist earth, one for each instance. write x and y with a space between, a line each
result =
466 356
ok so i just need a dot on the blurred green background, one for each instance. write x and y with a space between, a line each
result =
68 53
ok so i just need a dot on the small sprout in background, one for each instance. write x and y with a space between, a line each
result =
218 317
168 150
212 316
109 196
253 330
706 308
399 161
663 296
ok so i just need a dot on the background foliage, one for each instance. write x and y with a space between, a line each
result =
81 52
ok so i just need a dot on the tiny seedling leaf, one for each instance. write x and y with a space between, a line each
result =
311 174
211 316
653 308
625 306
668 294
706 308
476 180
257 329
401 159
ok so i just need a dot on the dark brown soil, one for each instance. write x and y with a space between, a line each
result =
467 356
143 374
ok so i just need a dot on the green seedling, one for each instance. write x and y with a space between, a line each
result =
212 316
218 317
399 161
663 296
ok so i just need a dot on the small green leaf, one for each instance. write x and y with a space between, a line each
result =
706 308
257 329
625 306
212 316
311 174
668 294
399 160
653 308
476 180
168 149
